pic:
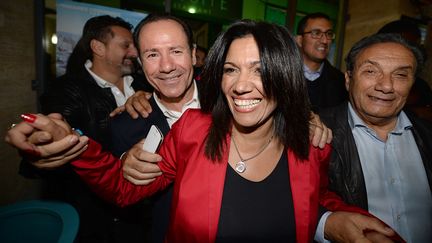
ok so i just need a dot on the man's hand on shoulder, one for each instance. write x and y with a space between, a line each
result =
319 133
135 105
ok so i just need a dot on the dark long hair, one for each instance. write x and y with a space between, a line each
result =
283 81
98 28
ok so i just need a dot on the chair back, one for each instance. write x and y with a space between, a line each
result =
38 221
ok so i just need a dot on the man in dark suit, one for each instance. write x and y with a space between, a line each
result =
325 83
167 54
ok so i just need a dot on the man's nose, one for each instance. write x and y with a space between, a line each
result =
385 83
324 39
166 64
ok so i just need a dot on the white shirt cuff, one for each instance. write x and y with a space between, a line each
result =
319 234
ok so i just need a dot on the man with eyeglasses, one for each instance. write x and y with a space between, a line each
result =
326 84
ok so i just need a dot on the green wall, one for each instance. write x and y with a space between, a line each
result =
275 10
310 6
253 9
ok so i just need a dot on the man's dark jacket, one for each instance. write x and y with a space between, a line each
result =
345 172
86 106
328 90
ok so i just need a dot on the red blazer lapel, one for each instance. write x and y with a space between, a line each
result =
300 179
216 181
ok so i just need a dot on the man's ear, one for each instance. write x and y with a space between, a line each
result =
193 56
299 39
347 79
98 47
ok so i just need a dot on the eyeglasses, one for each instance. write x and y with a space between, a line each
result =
317 34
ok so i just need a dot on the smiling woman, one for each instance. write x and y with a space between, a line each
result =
261 78
242 85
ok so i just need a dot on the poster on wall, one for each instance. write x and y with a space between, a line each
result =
71 17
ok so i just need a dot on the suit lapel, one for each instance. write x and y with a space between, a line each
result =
299 174
216 181
157 117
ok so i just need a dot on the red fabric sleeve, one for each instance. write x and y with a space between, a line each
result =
103 173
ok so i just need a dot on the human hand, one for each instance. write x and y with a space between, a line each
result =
46 141
60 152
374 236
18 136
353 227
136 104
319 133
139 166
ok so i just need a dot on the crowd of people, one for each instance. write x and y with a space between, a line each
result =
245 158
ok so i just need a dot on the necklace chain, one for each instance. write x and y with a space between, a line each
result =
241 166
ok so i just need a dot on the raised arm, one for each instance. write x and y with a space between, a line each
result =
103 172
98 168
46 141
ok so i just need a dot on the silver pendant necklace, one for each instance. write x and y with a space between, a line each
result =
240 166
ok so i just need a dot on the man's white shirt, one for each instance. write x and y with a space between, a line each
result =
119 96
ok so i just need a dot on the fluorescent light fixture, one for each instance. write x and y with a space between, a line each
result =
192 10
54 39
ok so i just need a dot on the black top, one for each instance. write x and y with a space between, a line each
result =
257 211
328 90
84 104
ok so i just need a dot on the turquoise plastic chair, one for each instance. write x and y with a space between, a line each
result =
38 221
